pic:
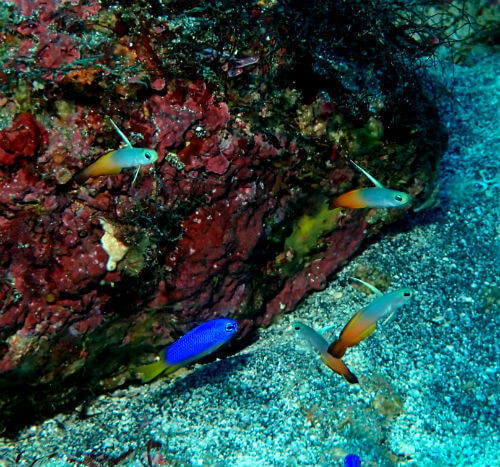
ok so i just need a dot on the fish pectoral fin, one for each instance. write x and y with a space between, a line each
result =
135 175
326 328
386 320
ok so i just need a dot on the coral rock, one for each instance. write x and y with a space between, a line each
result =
233 219
59 50
217 164
21 139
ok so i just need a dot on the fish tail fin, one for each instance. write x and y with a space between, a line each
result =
352 199
337 349
149 372
350 377
335 203
355 331
105 165
339 367
81 177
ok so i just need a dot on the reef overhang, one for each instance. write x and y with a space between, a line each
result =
254 110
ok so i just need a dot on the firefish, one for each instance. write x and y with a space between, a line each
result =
318 342
113 162
364 322
197 343
375 197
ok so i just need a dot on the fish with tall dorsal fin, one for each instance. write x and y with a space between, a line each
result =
319 343
364 322
361 325
374 197
114 161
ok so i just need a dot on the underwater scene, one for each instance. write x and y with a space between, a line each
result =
250 233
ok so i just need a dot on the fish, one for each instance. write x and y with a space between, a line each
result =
114 161
352 460
208 53
232 72
234 66
364 322
319 343
244 62
374 197
197 343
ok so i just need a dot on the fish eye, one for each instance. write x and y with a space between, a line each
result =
147 155
296 327
230 327
407 294
398 198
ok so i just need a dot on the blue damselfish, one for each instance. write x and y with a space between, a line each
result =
197 343
352 460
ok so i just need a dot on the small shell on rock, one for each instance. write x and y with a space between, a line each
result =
115 249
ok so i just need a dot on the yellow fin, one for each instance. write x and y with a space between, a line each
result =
102 166
149 372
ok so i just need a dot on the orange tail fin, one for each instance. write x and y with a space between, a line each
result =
337 349
355 331
351 199
81 177
105 165
339 367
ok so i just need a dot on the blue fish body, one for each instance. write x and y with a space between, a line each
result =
197 343
133 157
200 341
352 460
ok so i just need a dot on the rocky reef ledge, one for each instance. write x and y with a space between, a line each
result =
254 108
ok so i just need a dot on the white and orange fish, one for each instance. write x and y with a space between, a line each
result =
113 162
375 197
319 343
364 322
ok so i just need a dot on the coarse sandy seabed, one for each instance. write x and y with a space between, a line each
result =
429 392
